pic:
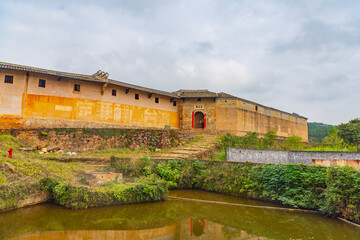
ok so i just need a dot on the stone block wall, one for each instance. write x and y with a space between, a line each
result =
285 157
83 139
206 106
257 155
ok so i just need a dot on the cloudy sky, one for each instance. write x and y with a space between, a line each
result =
298 56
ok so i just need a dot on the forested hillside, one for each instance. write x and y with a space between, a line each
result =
317 131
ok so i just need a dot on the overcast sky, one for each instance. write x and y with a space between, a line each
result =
297 56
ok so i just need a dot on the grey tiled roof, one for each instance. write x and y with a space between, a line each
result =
144 89
76 76
195 93
82 77
228 96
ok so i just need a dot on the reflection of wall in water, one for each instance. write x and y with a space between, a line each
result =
164 233
188 229
197 228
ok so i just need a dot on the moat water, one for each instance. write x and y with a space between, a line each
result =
172 219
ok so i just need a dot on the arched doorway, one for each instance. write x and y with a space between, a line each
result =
199 120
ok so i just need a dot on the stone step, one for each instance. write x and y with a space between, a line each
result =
171 156
184 152
190 149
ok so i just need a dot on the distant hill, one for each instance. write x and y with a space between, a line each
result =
317 131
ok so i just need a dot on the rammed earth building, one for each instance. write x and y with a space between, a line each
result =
39 98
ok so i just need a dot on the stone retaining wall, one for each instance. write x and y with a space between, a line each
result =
83 139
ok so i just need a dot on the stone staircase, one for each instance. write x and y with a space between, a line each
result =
201 148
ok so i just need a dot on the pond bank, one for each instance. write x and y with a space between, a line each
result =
333 191
112 193
76 197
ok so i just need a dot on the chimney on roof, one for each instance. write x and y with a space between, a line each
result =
101 75
104 76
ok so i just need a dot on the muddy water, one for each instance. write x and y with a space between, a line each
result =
171 220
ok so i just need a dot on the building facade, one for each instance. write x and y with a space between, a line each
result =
40 98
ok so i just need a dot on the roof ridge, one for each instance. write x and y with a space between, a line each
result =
83 77
41 69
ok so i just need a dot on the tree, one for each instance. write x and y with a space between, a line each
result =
317 131
350 132
333 139
269 140
250 140
293 143
229 140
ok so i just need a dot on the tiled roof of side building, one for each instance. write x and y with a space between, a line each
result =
204 93
82 77
11 66
228 96
144 89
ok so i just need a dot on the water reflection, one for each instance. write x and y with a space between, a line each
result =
171 220
184 229
164 233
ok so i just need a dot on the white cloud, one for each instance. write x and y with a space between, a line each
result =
299 56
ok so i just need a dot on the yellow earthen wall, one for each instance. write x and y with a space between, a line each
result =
99 111
11 94
23 105
92 90
58 101
239 117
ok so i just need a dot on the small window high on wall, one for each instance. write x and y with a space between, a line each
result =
156 100
42 83
9 79
76 87
113 92
136 96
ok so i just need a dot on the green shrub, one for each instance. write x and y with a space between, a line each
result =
71 196
294 143
250 140
269 140
229 140
334 191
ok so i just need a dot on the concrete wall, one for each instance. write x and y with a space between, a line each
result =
257 155
285 157
25 104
